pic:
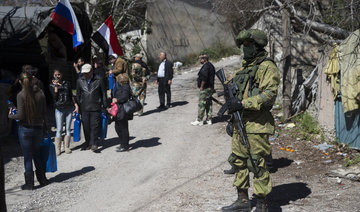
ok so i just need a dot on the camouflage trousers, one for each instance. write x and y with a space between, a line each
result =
239 159
139 90
205 104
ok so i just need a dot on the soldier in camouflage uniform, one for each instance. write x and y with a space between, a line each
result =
205 83
139 76
258 82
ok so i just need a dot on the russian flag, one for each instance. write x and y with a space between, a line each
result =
105 37
64 17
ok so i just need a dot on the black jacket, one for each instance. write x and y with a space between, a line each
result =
169 72
91 97
206 74
63 98
122 95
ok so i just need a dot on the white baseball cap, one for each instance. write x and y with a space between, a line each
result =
86 68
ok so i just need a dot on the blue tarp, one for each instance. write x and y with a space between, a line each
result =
347 126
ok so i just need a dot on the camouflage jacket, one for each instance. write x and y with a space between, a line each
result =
258 84
137 72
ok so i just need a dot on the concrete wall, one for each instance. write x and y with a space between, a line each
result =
325 98
181 29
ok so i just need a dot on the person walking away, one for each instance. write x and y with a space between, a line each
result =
122 94
64 107
258 82
164 81
91 98
205 83
34 73
139 77
31 113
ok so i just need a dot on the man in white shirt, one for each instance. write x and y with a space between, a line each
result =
164 80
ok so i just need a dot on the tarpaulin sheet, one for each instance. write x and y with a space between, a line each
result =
19 25
349 61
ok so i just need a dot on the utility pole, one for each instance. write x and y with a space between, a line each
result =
286 60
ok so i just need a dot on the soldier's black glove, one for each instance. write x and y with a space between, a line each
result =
235 105
229 129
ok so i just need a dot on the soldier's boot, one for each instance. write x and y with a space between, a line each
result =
41 177
242 204
230 171
261 205
67 144
58 145
29 181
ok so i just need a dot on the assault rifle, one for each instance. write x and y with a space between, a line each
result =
230 90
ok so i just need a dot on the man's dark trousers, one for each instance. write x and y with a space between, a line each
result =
91 124
163 88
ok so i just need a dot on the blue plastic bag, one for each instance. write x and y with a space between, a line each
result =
104 124
48 154
77 127
111 81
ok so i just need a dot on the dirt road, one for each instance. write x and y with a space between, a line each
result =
171 166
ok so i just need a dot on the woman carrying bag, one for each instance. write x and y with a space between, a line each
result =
64 107
121 94
31 113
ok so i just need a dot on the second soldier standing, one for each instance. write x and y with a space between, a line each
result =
139 76
205 83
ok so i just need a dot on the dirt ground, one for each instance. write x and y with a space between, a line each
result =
174 166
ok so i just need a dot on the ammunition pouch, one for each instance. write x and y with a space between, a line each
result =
231 159
257 170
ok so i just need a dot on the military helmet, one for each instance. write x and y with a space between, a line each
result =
256 35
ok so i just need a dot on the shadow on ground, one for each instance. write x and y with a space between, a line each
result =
281 195
107 143
157 110
66 176
179 103
151 142
280 163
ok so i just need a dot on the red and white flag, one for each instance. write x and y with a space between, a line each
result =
105 37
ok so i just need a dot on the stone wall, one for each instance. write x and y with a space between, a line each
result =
180 28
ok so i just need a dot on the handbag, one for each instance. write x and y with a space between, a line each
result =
132 105
114 109
48 154
77 127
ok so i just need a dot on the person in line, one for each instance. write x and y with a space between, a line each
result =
120 69
121 95
31 113
205 83
78 64
164 81
34 73
139 76
64 107
91 98
258 81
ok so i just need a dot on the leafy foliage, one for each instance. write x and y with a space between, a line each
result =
350 161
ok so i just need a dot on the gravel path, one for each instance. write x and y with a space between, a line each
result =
172 166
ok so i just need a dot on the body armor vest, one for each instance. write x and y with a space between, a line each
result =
245 80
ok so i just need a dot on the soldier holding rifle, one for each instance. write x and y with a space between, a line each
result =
250 95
